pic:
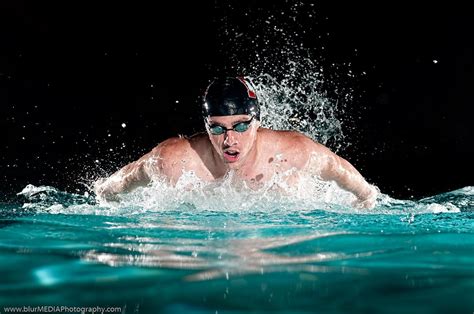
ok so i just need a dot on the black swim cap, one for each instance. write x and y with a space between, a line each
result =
230 96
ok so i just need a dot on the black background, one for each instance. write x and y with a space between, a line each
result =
71 74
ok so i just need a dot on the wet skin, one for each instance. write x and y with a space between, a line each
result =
253 156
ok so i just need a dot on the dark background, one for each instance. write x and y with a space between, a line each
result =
71 74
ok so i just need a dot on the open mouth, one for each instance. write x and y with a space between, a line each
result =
231 155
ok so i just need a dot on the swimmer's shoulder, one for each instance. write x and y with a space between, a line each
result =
180 146
299 141
297 147
175 155
282 139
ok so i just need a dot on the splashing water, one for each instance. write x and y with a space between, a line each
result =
192 194
297 90
302 108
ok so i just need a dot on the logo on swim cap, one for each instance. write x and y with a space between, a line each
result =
230 96
250 91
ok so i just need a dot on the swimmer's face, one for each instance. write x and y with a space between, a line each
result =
233 137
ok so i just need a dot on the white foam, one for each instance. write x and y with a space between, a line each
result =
229 194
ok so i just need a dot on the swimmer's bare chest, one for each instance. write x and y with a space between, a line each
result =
255 174
275 158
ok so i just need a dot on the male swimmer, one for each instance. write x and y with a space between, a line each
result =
235 142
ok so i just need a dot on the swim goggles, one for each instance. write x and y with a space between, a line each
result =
216 129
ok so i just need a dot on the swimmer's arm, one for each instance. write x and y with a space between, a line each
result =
335 168
347 177
133 175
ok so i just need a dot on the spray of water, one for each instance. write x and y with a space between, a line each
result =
299 89
224 197
301 108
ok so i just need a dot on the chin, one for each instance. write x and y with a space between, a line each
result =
233 164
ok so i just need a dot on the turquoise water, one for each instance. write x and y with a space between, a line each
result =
60 249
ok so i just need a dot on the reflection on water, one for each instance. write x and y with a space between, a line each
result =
216 258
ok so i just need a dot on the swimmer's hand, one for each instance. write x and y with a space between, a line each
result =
368 200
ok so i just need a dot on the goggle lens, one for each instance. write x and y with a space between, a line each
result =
240 127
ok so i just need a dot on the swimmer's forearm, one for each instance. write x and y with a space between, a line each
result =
348 178
124 180
110 190
357 185
366 194
353 181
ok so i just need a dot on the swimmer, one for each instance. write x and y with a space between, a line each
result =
235 141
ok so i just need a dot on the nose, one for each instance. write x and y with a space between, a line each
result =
229 138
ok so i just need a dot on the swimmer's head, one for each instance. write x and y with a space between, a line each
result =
230 96
231 113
